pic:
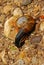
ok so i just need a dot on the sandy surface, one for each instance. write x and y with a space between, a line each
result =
32 52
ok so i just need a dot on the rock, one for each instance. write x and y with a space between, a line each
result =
18 12
10 28
24 61
42 26
20 62
17 2
7 8
34 61
26 2
2 18
2 54
36 39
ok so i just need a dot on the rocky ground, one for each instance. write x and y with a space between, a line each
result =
32 52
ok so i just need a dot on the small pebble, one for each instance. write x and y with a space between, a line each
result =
21 62
26 2
42 26
2 18
17 12
34 61
36 39
7 8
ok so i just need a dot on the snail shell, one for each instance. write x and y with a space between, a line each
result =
21 21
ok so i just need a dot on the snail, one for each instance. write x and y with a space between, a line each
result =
23 25
11 23
26 25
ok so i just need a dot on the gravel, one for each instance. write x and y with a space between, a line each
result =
33 56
